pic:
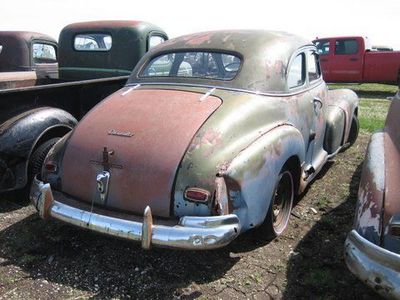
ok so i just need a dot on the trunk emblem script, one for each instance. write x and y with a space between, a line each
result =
120 133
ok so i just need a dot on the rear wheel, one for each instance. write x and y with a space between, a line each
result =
353 134
34 167
281 204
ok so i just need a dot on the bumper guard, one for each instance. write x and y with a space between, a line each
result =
374 265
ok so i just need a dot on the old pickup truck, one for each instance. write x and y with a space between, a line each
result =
27 58
34 116
351 59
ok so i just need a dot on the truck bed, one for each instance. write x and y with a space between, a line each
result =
76 97
381 66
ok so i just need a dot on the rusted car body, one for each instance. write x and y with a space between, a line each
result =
214 134
27 58
372 248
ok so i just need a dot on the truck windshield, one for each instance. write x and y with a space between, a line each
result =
211 65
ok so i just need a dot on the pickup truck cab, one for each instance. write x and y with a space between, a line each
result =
27 58
105 48
94 59
351 59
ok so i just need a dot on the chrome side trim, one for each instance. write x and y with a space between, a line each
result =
272 94
374 265
191 233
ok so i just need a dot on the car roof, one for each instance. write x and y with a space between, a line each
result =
265 56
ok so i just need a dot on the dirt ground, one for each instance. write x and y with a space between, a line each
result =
48 260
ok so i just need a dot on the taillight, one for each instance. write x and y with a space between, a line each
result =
50 166
197 195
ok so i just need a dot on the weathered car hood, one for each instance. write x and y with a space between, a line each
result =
149 132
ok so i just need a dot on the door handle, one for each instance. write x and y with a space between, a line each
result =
324 59
317 103
353 59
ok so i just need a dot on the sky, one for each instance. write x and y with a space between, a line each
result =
379 20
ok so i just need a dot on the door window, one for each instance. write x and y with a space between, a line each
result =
322 47
347 46
296 75
43 53
313 68
155 40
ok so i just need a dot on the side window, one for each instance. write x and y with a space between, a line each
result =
322 47
43 53
296 75
93 42
348 46
313 69
155 40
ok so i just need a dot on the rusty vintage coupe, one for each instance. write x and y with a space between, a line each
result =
372 248
214 134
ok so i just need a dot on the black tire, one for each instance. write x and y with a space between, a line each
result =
34 167
281 204
37 158
353 134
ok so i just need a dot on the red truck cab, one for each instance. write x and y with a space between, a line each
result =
351 59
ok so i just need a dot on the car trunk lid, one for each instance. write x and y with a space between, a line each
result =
140 137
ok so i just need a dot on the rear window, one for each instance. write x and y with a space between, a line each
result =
210 65
93 42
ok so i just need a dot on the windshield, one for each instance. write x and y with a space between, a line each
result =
211 65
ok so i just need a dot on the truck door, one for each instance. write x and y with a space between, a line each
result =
347 62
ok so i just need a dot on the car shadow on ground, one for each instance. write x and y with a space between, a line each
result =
12 201
108 267
316 269
86 261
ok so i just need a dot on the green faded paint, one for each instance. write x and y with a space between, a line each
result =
242 119
129 44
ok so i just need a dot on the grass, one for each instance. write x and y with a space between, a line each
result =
373 103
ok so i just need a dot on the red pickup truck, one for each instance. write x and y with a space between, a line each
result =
351 59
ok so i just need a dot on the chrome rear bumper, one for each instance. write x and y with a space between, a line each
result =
192 233
374 265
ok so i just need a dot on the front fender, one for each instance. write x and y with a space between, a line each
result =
251 176
18 137
368 216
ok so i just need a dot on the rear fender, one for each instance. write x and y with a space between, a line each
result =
335 127
251 176
347 101
19 137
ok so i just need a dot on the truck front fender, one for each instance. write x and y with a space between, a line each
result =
21 134
251 176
